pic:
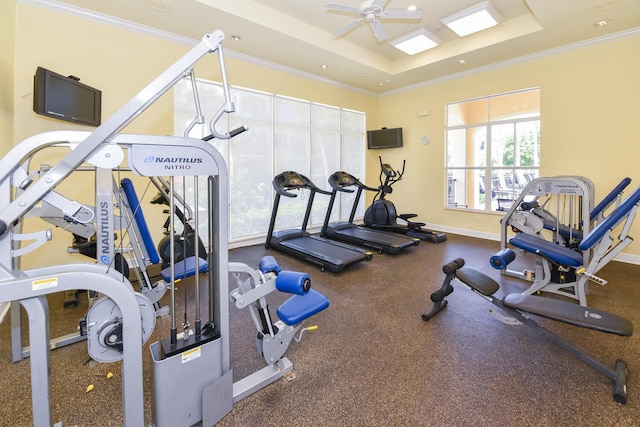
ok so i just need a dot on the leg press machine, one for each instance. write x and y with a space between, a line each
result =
567 270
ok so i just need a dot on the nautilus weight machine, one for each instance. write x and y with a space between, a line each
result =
121 320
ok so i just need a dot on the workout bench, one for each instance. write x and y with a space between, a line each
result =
521 306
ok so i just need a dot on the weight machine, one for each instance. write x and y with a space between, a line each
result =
120 319
559 212
551 206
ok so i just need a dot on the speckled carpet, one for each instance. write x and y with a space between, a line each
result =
373 361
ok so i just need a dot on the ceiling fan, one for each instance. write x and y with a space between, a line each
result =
371 11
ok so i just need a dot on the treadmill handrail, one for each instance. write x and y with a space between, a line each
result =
293 180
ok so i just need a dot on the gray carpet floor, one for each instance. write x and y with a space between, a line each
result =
373 361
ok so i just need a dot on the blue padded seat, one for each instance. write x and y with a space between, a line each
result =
556 253
300 307
185 268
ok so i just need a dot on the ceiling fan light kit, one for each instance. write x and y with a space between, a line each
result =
473 19
416 41
371 12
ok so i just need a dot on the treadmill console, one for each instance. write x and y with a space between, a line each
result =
342 179
290 180
388 170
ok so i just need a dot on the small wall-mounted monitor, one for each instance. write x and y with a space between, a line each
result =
384 138
65 98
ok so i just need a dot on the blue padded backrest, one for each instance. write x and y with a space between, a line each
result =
611 197
556 253
611 221
138 216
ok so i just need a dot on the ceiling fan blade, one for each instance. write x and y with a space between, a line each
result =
342 8
350 26
378 3
401 14
378 30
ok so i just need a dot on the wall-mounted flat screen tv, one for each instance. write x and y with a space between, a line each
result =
65 98
384 138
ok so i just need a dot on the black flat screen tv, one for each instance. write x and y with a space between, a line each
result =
65 98
384 138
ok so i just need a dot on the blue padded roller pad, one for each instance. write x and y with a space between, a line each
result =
138 216
556 253
293 282
185 268
573 314
300 307
500 260
269 264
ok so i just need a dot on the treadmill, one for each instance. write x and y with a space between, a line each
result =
348 231
328 254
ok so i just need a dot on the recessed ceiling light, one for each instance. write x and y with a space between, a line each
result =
159 5
412 7
236 38
602 23
462 62
324 66
604 4
416 41
473 19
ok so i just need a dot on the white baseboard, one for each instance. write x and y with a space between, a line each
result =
627 258
622 257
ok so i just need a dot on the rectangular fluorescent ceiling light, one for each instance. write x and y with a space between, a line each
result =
416 42
474 19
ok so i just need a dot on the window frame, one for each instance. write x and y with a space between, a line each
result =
485 168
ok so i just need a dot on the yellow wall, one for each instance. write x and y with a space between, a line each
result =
7 64
587 109
121 62
589 119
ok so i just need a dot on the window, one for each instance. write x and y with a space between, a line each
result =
493 149
284 134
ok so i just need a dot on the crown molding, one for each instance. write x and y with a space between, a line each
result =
57 6
521 59
101 18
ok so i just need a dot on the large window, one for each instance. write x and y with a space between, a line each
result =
493 149
284 134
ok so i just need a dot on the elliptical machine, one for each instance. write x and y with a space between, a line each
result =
382 213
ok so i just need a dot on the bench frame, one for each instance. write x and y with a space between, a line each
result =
485 287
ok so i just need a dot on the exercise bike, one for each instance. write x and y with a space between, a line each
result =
382 213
